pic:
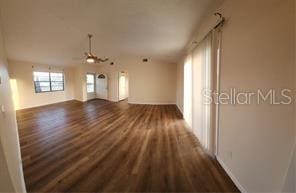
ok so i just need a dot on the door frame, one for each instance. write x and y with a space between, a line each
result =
107 84
89 93
118 82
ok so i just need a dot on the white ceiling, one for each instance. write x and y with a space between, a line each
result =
55 31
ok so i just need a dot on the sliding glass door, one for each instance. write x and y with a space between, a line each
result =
200 83
188 91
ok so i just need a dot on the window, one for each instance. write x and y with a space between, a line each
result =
41 81
48 82
57 81
90 83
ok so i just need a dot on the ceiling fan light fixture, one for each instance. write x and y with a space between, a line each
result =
90 59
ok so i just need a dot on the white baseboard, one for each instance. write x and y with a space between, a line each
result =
111 100
181 110
231 175
44 104
151 103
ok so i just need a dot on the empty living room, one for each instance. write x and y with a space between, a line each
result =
147 96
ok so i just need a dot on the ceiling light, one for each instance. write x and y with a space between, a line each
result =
90 59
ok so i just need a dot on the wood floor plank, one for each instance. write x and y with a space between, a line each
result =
100 146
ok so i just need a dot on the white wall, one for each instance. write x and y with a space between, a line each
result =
22 72
113 91
79 93
256 141
149 83
153 82
11 173
5 180
75 83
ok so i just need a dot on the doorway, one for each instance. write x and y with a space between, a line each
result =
123 85
90 86
102 86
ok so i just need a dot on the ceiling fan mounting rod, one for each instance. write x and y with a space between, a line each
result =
89 40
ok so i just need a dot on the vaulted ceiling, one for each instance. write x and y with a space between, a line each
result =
55 31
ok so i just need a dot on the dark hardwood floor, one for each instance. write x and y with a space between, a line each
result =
99 146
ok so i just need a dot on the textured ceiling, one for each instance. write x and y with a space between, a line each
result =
55 31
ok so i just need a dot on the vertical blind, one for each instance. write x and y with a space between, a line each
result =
188 91
200 79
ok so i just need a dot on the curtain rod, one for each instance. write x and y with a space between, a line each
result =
219 24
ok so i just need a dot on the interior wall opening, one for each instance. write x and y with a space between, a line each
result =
102 86
123 86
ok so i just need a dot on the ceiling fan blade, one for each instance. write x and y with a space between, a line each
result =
89 57
102 59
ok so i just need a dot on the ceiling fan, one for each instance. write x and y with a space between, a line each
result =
90 57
